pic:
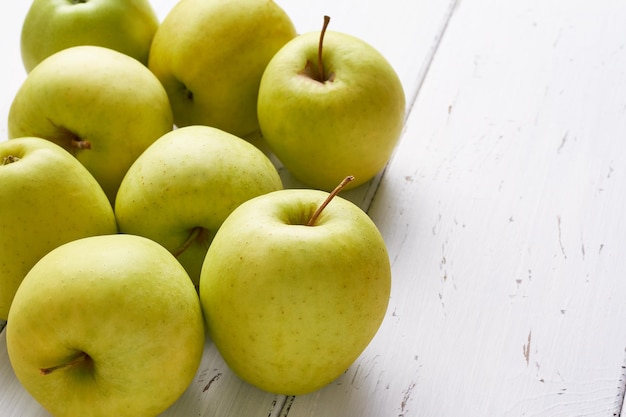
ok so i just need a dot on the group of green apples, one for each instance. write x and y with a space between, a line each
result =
140 210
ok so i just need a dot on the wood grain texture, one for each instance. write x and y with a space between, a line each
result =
503 213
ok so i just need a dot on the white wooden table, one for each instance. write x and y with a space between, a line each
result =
504 212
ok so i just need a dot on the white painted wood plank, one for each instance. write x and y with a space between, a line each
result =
504 216
404 31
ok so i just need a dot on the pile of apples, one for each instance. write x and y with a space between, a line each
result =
140 209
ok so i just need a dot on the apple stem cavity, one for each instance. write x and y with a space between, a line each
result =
332 195
195 232
9 159
82 357
187 93
70 140
198 234
81 144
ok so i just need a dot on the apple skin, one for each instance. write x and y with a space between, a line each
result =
194 176
125 302
323 132
47 198
94 94
210 56
50 26
290 307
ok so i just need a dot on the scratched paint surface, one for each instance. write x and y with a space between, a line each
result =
503 214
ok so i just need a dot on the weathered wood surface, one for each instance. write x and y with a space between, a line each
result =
504 215
503 211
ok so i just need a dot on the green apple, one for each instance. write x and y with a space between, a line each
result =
104 107
106 326
329 117
291 299
126 26
47 198
210 55
181 189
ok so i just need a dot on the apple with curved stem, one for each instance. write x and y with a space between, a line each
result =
181 189
330 105
47 198
210 56
50 26
294 287
102 106
313 219
106 326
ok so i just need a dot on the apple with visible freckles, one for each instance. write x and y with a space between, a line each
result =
47 198
106 326
181 189
331 105
294 287
50 26
102 106
210 56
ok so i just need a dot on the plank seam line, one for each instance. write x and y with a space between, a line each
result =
421 76
620 406
286 406
430 56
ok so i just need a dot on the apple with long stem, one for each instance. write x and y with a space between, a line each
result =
330 105
294 287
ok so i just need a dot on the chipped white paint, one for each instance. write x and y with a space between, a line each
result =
503 211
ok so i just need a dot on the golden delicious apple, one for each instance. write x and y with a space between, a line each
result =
210 55
181 189
106 326
47 198
102 106
52 25
328 118
290 299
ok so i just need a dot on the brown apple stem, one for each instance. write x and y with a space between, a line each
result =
193 235
332 195
81 144
9 159
81 357
75 142
320 64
